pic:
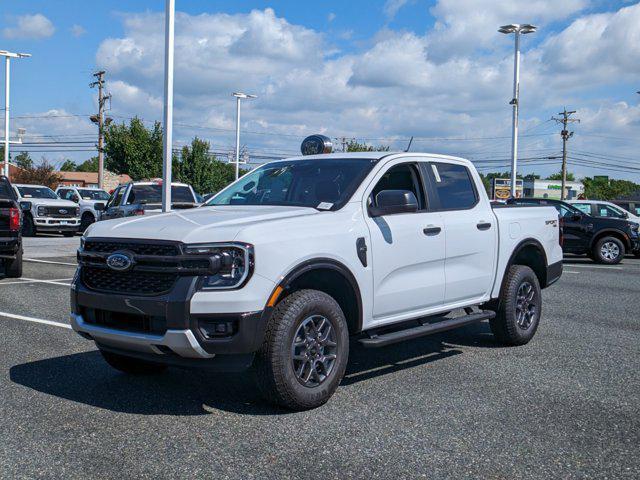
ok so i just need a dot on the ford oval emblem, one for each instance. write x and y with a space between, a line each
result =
119 261
63 211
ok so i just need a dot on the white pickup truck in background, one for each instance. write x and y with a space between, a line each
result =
279 269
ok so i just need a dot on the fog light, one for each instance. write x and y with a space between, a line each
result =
217 328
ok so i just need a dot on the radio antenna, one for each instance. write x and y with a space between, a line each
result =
410 142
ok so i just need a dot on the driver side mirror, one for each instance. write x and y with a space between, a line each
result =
576 217
389 202
98 207
75 198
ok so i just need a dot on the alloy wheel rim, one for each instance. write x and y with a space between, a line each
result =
526 306
314 350
609 250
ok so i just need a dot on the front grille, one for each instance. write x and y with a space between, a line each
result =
159 249
130 322
132 282
60 212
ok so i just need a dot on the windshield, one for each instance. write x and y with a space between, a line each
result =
153 194
319 183
36 192
91 194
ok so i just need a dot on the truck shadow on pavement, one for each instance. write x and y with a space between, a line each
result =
85 378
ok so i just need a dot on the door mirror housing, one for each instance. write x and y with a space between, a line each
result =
576 217
389 202
75 198
98 207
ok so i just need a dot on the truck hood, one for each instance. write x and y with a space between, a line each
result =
197 225
52 202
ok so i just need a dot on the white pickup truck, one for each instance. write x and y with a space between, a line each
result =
279 269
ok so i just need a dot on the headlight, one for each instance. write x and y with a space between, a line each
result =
235 260
41 211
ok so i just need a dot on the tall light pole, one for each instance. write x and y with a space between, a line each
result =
169 12
239 96
7 74
518 29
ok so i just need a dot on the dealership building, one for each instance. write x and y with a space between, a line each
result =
551 189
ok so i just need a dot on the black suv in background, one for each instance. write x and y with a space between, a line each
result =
10 230
604 239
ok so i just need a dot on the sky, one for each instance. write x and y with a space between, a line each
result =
379 72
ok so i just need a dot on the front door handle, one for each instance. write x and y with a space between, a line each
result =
430 231
483 226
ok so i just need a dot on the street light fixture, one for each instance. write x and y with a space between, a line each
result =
518 29
7 73
239 96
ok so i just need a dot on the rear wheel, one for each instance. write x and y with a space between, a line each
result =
520 307
305 350
13 268
608 250
132 366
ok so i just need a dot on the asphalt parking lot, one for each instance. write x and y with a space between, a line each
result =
453 405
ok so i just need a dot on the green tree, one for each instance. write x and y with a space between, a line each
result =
42 174
90 165
133 149
354 146
558 176
68 166
603 189
23 160
197 167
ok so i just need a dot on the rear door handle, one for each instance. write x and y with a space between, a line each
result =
483 226
430 231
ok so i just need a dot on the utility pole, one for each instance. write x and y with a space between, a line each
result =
566 135
99 119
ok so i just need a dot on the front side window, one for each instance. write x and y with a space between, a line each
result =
326 184
36 192
583 207
116 197
400 177
453 185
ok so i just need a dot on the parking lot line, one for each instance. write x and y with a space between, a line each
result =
34 320
35 260
55 281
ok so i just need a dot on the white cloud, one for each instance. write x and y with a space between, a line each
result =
30 27
392 7
402 84
78 30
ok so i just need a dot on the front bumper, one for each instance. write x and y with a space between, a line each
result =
56 224
167 328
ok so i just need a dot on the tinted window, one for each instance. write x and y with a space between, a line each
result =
5 190
329 182
153 194
453 185
607 211
583 207
400 177
116 197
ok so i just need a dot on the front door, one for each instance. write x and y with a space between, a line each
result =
407 248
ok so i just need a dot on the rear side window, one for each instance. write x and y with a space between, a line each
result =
453 186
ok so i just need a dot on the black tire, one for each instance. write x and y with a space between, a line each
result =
132 366
28 227
68 234
13 268
281 366
609 251
87 219
512 325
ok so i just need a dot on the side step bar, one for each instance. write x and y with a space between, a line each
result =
383 339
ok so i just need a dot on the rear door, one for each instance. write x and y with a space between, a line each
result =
407 248
470 231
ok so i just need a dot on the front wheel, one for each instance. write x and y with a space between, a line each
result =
520 306
132 366
608 250
87 219
305 351
13 267
28 227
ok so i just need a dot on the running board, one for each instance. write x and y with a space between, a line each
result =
383 339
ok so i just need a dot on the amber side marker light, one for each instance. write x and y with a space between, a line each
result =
274 296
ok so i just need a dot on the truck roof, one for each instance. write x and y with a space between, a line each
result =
372 155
